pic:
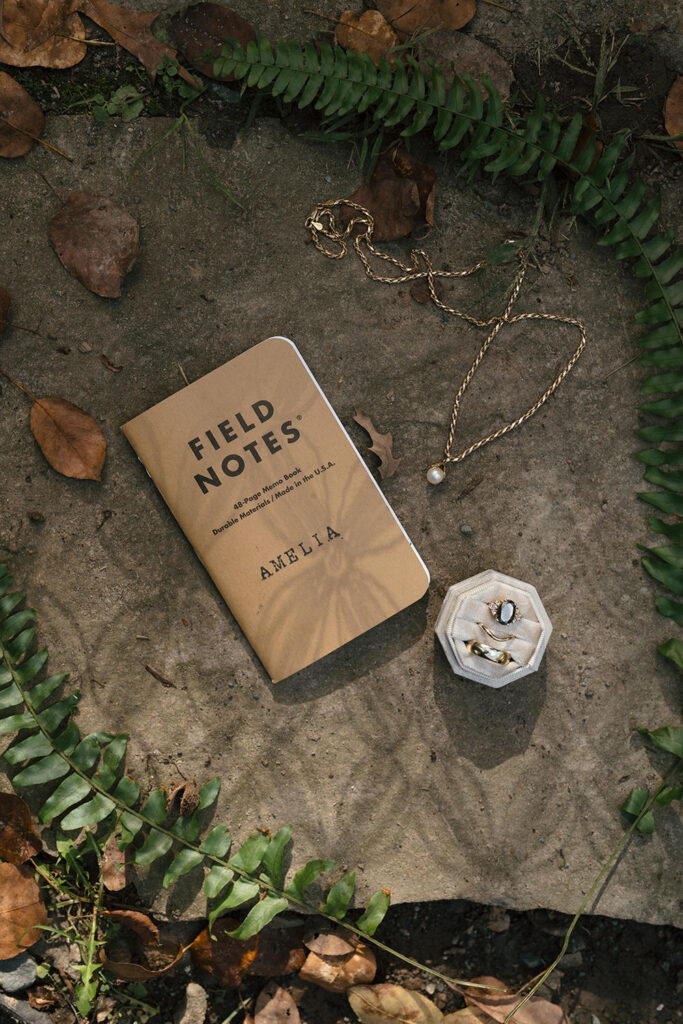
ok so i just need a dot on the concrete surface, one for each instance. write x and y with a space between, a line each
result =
435 787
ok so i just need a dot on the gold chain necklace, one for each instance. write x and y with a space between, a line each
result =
322 224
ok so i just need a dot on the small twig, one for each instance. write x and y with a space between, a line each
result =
470 487
18 327
18 385
51 187
621 367
183 374
88 42
17 128
164 680
502 6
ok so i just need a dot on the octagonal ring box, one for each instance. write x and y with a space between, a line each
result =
466 604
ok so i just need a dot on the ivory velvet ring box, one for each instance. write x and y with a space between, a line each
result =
289 523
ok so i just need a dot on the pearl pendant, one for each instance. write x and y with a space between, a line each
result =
436 474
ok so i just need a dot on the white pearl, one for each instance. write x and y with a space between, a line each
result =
435 474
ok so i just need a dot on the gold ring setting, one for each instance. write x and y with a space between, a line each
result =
504 610
493 654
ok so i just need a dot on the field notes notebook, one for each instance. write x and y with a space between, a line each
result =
271 493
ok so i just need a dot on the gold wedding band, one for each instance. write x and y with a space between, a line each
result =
489 653
494 636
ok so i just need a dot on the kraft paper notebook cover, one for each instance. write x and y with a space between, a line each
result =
263 479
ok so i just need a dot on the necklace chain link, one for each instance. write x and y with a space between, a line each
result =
322 224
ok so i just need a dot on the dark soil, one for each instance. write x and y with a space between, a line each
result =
615 972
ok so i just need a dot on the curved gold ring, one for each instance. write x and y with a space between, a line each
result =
489 653
494 636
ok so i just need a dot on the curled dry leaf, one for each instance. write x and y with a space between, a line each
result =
115 865
368 33
275 1006
337 973
69 438
392 1004
18 840
329 941
673 112
41 33
96 241
470 1015
400 195
202 30
5 303
499 1004
409 17
188 795
21 910
153 953
381 445
21 119
226 959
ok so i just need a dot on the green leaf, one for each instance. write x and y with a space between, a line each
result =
15 623
127 790
669 738
69 792
31 667
155 807
183 862
672 649
33 746
633 806
187 828
241 892
306 876
39 693
208 794
48 768
216 880
668 795
113 754
86 753
672 554
272 858
259 916
674 531
10 697
217 843
666 574
339 896
671 504
95 810
155 846
672 609
250 853
374 915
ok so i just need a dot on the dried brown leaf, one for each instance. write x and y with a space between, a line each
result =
154 953
158 674
392 1004
108 363
275 1006
96 241
69 438
21 119
37 33
133 31
470 1015
226 959
499 1004
673 112
115 865
339 973
18 841
368 33
5 303
280 950
400 195
21 910
419 290
203 29
381 445
408 17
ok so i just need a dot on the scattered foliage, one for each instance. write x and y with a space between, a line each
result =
36 33
499 1005
336 961
392 1004
635 807
69 438
400 195
22 912
381 445
154 953
274 1006
21 119
96 241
